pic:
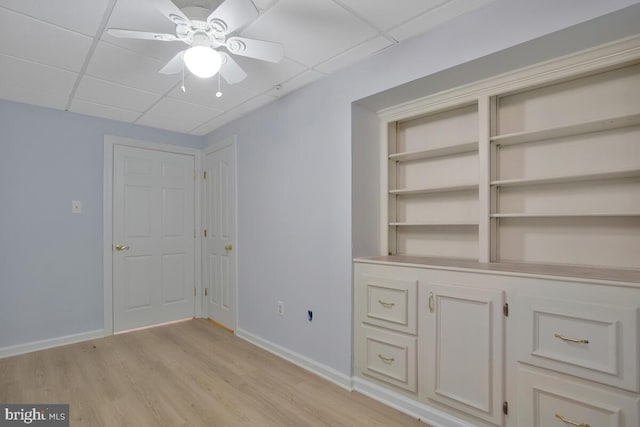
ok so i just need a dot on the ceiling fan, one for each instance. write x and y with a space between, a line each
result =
206 31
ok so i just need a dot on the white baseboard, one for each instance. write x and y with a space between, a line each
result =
408 406
319 369
17 349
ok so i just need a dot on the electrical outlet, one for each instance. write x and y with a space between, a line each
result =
281 308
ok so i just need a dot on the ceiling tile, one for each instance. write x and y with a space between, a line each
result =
37 84
354 54
28 38
143 15
250 105
77 15
103 92
297 82
264 4
436 17
127 68
177 116
311 31
104 111
384 17
203 92
262 76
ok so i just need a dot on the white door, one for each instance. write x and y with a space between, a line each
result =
463 347
220 262
153 237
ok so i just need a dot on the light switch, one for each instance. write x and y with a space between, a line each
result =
76 206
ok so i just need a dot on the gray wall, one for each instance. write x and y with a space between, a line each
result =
295 197
51 259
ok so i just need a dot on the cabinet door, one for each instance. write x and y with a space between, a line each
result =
462 347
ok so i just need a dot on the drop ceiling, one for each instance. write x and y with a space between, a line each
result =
57 54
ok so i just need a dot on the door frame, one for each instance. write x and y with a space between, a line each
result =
110 142
218 145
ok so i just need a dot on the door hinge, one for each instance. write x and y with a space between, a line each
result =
205 232
194 291
205 292
505 408
194 233
204 174
505 309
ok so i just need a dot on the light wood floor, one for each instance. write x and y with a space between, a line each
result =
186 374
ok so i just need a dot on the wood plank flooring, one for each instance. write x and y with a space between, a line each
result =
185 374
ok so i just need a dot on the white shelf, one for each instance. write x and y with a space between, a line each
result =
565 215
431 224
576 129
435 152
443 189
629 173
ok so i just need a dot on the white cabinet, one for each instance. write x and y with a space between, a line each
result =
461 347
490 348
386 327
589 340
390 357
546 400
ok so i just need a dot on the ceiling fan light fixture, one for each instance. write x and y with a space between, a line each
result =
202 61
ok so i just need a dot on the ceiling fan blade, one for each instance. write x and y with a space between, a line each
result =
175 65
259 49
230 70
143 35
231 15
171 11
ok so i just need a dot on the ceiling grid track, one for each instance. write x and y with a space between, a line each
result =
92 48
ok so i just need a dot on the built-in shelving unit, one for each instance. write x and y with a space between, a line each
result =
545 174
432 211
517 196
565 178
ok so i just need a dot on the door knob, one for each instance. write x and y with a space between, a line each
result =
228 247
122 248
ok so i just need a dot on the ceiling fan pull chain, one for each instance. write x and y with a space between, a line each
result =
218 93
183 88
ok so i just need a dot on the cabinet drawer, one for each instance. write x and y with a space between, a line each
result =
548 401
390 303
390 357
592 341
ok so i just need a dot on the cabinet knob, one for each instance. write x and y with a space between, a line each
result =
228 248
122 248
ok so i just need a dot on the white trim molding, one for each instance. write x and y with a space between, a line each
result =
411 407
15 350
107 218
304 362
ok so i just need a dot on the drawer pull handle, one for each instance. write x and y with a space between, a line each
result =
573 423
563 338
386 304
388 360
431 302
